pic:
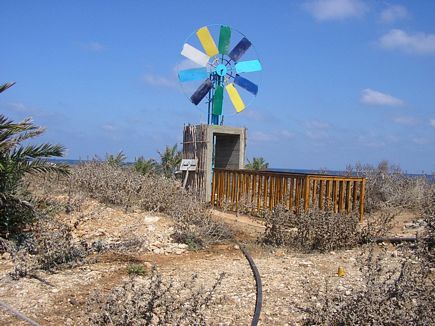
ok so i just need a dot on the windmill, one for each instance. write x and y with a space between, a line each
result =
218 72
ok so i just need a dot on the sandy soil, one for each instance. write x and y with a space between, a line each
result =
291 280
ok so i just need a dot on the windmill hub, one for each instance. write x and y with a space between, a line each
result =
221 70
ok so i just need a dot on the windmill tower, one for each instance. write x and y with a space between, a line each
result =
214 78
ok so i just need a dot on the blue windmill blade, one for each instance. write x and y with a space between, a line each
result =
239 50
192 74
201 92
246 84
248 66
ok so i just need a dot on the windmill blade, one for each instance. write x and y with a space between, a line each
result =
195 55
240 49
235 97
192 74
207 41
218 99
248 66
246 84
224 39
201 92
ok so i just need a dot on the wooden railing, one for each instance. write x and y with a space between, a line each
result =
262 190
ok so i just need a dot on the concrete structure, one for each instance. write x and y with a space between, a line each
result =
213 146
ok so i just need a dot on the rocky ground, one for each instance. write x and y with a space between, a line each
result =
292 281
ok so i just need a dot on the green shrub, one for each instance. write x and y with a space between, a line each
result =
17 160
136 270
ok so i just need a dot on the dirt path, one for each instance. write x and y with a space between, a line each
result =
291 280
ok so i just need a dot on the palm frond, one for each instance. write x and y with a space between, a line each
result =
6 86
37 151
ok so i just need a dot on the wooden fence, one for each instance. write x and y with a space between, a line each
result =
260 190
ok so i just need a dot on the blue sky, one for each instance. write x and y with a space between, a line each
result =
343 81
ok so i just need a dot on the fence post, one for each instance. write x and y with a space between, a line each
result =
306 193
362 199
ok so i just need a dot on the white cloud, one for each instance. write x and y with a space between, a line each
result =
405 120
393 13
372 97
324 10
93 46
420 140
259 136
419 43
157 80
109 127
314 124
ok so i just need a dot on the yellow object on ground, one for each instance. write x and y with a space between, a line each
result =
340 271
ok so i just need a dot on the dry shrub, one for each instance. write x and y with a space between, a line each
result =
399 292
153 301
311 230
49 246
130 189
388 186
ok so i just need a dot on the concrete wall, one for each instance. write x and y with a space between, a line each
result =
229 150
206 142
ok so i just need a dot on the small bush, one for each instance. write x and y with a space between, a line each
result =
394 293
311 230
49 246
388 186
136 270
153 301
151 192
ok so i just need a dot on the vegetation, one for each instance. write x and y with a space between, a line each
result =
136 270
389 187
117 159
170 160
258 163
398 294
17 160
153 301
144 166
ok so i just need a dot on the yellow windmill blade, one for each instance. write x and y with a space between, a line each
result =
235 97
207 41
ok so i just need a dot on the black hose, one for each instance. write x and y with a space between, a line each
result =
259 286
18 314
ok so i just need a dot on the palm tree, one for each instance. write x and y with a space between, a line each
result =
144 166
258 163
170 159
116 160
16 160
6 86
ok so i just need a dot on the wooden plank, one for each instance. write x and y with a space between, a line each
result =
259 192
271 192
341 202
321 190
335 195
362 199
307 186
253 187
265 194
213 189
348 196
328 193
290 195
314 193
298 193
355 193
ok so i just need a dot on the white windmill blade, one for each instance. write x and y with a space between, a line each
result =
195 55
